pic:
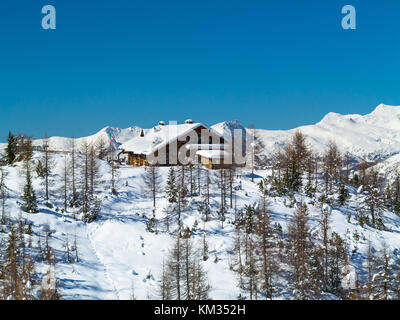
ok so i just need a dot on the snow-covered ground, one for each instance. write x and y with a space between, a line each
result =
117 253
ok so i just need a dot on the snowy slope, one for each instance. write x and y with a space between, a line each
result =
2 149
390 167
372 136
117 253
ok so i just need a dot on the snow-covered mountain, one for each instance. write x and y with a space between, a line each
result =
372 136
227 128
389 168
64 143
105 134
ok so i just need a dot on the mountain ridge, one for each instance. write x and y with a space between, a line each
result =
373 136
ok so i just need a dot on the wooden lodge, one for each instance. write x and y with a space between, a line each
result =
178 144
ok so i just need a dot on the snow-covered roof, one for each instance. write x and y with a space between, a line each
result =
205 146
213 154
159 136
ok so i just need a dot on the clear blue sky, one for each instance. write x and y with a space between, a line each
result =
277 64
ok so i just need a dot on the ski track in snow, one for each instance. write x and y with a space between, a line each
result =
106 271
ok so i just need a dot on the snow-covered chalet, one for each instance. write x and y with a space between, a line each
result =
180 144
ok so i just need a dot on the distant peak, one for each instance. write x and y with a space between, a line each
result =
233 124
386 108
329 117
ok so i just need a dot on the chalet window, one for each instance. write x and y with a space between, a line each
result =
210 140
187 139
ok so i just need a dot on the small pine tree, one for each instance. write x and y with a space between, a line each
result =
91 211
29 196
17 272
152 181
3 197
300 247
151 225
11 149
343 194
40 170
374 201
171 189
310 189
75 248
182 274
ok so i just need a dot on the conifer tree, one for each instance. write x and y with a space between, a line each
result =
171 189
65 187
374 200
165 287
207 185
250 272
11 149
278 166
102 148
300 248
48 164
174 269
93 171
182 275
343 194
75 248
182 180
237 264
337 259
90 204
3 197
324 232
198 177
191 179
266 265
29 196
93 207
24 147
231 179
18 272
222 183
395 195
152 182
75 195
246 245
205 246
385 284
39 169
114 175
369 287
331 166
